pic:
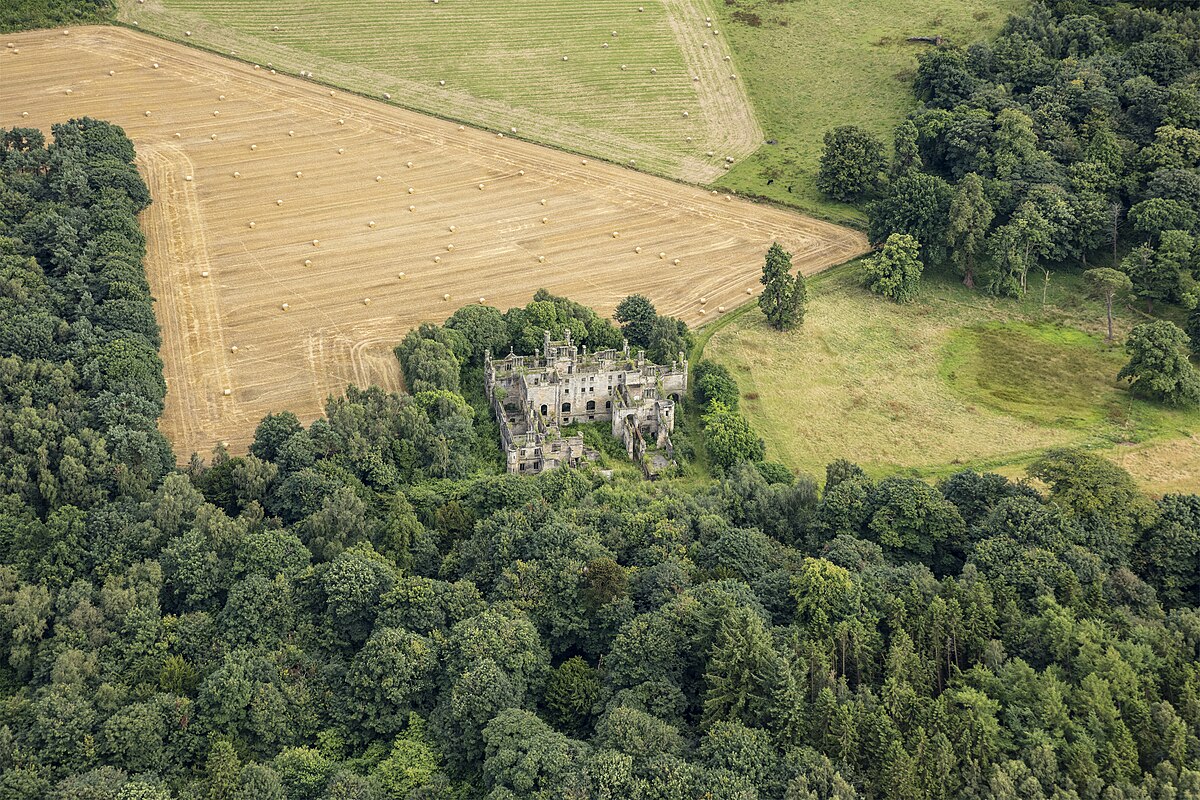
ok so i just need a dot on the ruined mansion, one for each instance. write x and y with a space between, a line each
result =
534 397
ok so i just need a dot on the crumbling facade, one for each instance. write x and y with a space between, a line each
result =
534 397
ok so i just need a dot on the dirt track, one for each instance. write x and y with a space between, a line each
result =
500 248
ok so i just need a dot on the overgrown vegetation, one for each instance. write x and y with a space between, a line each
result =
363 609
22 15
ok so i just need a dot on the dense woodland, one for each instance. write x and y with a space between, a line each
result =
1071 141
367 608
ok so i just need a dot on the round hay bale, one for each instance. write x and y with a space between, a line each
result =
308 262
226 392
251 224
237 174
703 300
204 274
446 296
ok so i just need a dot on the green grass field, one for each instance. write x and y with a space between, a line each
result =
812 65
551 69
955 379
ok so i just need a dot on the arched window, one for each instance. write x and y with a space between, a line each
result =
591 406
566 408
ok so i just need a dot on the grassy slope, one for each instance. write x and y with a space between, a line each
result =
954 379
813 65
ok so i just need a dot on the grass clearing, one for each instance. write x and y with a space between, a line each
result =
956 379
609 79
814 65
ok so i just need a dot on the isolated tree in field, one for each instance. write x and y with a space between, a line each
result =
895 272
637 316
784 294
971 217
851 164
1158 366
1107 284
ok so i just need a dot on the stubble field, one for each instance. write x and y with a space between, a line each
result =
328 181
604 77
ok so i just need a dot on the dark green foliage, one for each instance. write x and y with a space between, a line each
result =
20 15
852 163
729 438
1158 366
361 608
784 294
895 272
712 382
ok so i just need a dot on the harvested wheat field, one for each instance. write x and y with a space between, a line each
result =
653 82
297 233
